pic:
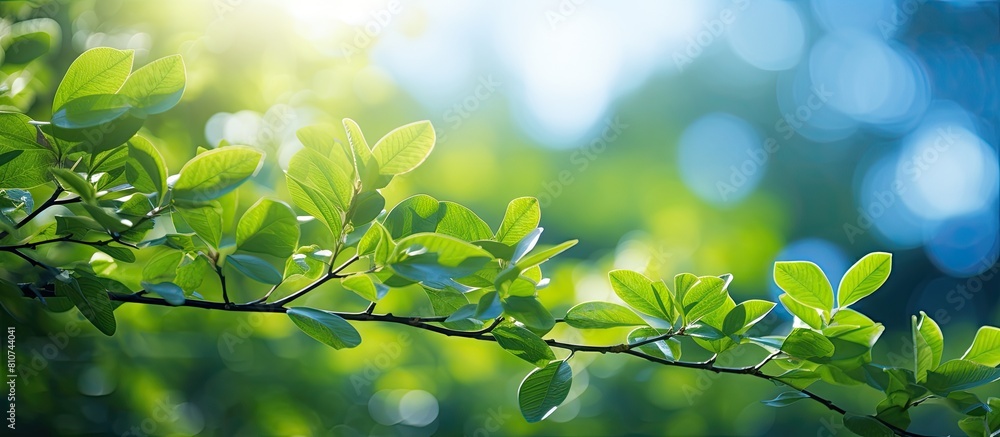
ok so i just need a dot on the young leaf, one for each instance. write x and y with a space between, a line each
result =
205 221
100 70
489 306
530 312
74 183
682 283
322 139
90 111
366 286
326 327
703 298
24 163
543 390
157 86
254 268
145 168
214 173
806 283
404 148
311 169
864 277
745 315
91 298
170 292
809 315
959 375
522 216
523 344
806 344
268 227
367 206
985 348
928 343
785 399
598 315
540 256
423 213
638 292
162 267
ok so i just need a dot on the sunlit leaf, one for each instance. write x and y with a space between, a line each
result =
543 390
597 315
864 277
326 327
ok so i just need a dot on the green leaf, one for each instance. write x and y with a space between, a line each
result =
436 260
205 221
162 267
809 315
76 225
638 292
522 216
145 168
24 163
543 390
798 378
214 173
806 344
366 286
806 283
847 316
404 148
489 306
985 348
157 86
423 213
599 315
928 342
74 183
785 399
322 139
119 253
447 302
170 292
539 256
523 343
91 298
864 277
682 283
91 111
668 349
867 426
704 298
450 250
367 206
100 70
317 204
959 375
268 227
254 268
326 327
192 273
530 312
316 171
745 315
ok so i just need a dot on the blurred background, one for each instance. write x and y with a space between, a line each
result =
702 136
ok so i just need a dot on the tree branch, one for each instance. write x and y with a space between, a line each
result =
427 324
